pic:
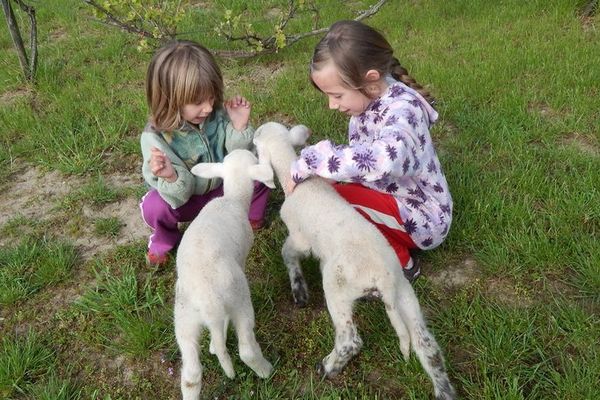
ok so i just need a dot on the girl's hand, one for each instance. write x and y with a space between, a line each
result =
161 166
238 110
291 185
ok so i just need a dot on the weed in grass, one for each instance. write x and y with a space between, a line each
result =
31 265
110 226
54 388
95 194
130 316
22 361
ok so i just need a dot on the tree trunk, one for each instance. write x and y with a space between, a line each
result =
28 66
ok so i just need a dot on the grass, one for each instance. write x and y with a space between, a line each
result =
517 89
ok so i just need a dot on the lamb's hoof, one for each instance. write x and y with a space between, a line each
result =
321 369
323 372
230 374
264 371
300 298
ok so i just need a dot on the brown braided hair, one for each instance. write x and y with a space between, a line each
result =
400 73
356 48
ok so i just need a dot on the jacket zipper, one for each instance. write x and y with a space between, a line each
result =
210 157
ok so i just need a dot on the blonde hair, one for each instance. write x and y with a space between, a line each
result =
181 72
356 48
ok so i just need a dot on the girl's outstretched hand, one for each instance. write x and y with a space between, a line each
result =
238 109
161 166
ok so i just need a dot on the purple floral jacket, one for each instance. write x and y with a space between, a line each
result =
390 150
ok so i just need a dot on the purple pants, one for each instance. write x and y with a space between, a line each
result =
163 219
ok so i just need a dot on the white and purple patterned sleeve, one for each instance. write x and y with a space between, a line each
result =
392 151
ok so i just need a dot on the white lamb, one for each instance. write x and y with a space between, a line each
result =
211 285
355 260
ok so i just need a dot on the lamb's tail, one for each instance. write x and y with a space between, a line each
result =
406 315
432 360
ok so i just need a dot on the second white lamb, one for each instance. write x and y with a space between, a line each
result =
355 261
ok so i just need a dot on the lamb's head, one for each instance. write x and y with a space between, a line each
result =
237 164
273 134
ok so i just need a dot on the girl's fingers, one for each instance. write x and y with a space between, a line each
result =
237 101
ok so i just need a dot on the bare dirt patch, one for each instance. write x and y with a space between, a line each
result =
34 195
456 276
11 96
503 290
542 109
58 34
133 227
583 143
509 293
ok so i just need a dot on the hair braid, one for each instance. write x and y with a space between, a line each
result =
401 74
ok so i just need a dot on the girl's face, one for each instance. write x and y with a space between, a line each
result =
197 113
342 98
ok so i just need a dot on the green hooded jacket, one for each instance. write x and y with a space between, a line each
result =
187 147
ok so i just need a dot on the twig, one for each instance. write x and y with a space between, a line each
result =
114 21
373 10
292 38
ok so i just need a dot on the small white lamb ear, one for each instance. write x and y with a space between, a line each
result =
299 134
263 173
208 170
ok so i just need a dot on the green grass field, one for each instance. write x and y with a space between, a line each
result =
512 296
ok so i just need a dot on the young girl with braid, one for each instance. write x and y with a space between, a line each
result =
389 171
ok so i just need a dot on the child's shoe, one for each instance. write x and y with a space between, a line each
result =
156 260
412 270
257 224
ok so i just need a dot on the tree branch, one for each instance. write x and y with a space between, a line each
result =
114 21
269 41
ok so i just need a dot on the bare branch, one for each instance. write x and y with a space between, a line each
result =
114 21
373 10
268 43
290 15
365 14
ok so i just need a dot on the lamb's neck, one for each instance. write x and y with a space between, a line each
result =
282 163
241 194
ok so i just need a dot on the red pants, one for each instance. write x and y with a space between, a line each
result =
381 210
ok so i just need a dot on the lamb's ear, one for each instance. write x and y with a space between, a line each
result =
208 170
299 134
262 173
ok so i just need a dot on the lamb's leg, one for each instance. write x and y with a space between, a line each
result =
391 307
294 249
424 344
249 348
347 340
218 334
187 331
211 346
